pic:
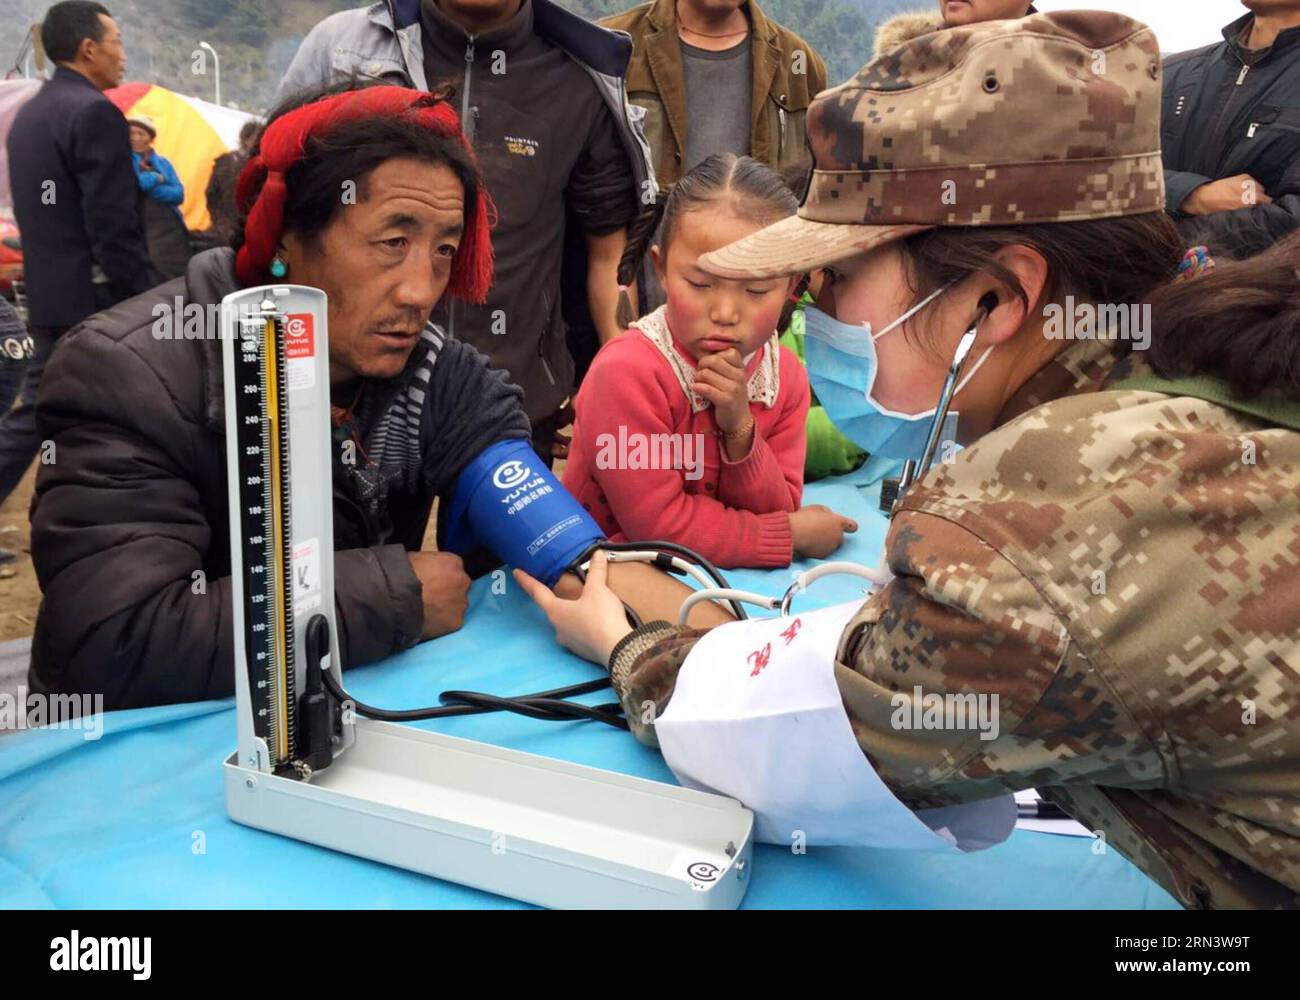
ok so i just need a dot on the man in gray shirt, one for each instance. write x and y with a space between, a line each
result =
718 88
718 76
715 76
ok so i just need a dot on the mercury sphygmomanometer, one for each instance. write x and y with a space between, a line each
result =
309 764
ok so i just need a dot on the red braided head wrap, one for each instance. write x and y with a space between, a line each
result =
284 143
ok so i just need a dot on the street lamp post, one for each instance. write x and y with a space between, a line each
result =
216 67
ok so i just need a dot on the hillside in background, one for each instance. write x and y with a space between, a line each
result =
256 39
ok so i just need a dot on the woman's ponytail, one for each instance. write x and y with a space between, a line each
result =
1239 321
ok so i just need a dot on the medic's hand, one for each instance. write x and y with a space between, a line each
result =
720 378
818 531
590 626
444 590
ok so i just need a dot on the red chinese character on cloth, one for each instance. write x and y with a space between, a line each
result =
792 631
759 658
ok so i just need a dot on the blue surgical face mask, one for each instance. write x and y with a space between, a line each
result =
842 367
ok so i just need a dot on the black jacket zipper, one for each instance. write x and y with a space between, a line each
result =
1217 136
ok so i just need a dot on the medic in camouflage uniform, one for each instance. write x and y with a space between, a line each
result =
1161 708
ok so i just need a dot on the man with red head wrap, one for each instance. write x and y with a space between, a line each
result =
373 196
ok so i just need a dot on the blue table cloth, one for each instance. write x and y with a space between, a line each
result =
136 818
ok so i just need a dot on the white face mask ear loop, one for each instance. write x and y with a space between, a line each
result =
910 313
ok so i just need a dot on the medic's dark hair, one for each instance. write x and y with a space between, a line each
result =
1116 260
1120 260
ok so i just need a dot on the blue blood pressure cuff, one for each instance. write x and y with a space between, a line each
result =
508 501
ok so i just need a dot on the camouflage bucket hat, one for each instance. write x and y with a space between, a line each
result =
1049 118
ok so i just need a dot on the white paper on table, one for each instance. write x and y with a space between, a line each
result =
757 715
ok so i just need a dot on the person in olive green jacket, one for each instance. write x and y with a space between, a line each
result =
712 76
692 61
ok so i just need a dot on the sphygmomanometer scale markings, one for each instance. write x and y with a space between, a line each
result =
263 418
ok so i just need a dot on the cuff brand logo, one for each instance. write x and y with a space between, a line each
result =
510 474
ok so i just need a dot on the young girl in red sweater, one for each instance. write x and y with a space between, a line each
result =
690 427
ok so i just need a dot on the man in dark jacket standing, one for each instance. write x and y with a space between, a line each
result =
541 93
1231 133
75 202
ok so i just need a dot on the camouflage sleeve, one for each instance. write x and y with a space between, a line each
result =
962 682
643 669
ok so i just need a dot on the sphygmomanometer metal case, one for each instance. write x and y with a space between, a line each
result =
540 830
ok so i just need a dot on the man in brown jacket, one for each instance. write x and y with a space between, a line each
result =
690 63
715 76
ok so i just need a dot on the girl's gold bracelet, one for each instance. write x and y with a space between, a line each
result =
743 432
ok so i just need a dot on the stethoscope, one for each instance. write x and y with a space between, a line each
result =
893 490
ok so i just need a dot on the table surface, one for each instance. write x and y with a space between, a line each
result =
137 818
